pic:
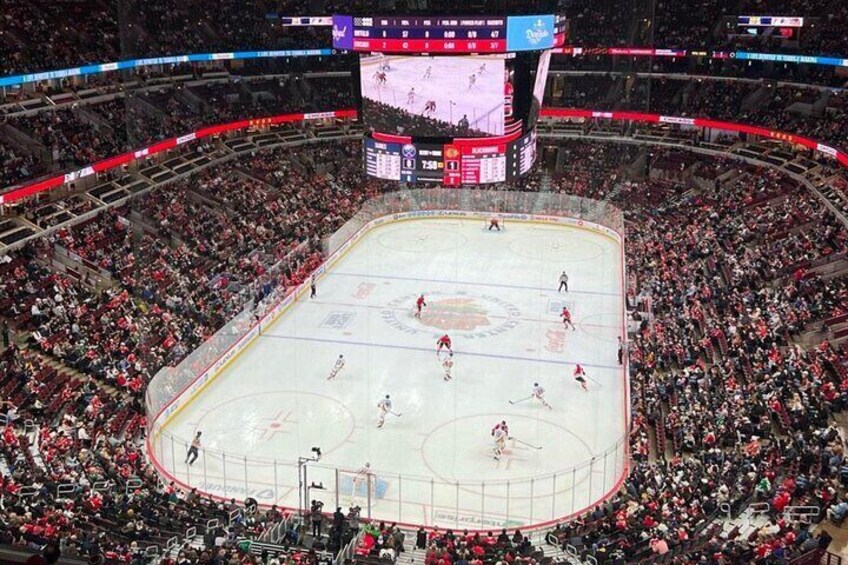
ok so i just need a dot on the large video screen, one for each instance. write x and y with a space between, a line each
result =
432 96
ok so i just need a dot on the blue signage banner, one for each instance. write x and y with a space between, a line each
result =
343 32
14 80
786 58
529 33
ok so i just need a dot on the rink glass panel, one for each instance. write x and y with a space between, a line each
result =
400 497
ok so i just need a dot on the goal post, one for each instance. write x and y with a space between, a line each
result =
356 487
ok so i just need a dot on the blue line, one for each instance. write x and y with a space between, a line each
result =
432 350
468 283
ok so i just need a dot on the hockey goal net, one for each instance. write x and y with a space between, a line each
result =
359 486
495 222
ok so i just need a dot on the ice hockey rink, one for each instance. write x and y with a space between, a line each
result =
496 295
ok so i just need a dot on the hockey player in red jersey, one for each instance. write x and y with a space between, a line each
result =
444 341
566 318
501 426
580 377
419 304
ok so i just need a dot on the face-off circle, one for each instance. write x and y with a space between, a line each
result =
265 423
564 450
431 239
549 247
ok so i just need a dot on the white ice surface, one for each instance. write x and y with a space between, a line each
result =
496 295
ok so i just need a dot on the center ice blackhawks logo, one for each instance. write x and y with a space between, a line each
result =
465 315
455 314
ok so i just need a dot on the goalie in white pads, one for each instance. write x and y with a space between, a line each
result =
362 476
539 394
340 363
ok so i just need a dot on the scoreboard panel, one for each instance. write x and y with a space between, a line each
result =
457 34
770 21
526 153
382 160
483 164
429 28
450 164
429 34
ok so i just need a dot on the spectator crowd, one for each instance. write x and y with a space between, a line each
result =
732 401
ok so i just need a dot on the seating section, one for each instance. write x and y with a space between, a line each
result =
73 135
803 110
705 25
732 404
716 368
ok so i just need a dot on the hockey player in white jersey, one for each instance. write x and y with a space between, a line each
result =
539 394
385 407
499 436
340 363
362 477
447 365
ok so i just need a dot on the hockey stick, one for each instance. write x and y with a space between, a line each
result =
398 414
527 444
520 400
593 380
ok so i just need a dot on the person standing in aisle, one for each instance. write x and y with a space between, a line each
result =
317 518
563 282
194 449
338 519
